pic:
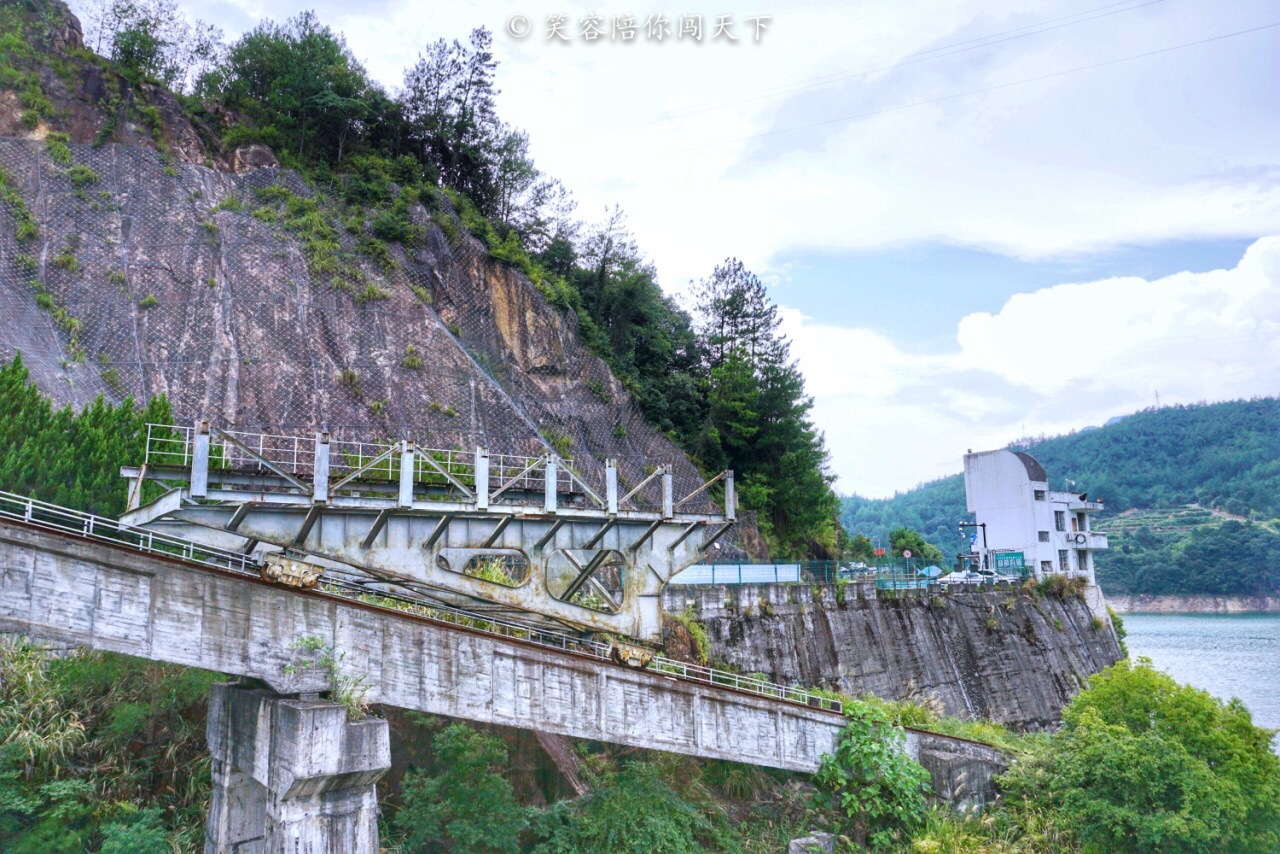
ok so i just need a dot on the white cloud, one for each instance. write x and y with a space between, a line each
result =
1174 146
1057 359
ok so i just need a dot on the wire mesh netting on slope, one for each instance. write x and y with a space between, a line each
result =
261 303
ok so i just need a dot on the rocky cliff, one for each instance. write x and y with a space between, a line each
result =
136 258
1007 656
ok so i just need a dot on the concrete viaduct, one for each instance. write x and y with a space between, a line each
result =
290 772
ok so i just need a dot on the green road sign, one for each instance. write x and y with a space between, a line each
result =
1010 560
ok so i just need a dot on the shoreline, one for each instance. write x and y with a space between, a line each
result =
1194 604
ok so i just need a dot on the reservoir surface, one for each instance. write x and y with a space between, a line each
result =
1235 655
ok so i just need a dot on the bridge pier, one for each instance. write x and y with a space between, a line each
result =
292 775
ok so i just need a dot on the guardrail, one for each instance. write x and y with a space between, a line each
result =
340 584
892 574
174 446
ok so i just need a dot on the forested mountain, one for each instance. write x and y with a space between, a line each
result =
1192 496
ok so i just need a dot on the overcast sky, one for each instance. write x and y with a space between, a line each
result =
983 219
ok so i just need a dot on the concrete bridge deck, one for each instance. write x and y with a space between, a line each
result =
73 590
83 586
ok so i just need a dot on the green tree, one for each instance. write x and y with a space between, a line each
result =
1147 765
906 539
467 806
759 415
871 781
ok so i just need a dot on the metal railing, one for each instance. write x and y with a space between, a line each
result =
887 574
173 447
340 584
63 520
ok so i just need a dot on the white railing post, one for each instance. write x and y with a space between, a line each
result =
482 479
406 474
730 500
549 484
668 495
200 461
611 486
320 471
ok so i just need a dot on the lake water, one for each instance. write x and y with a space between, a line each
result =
1236 655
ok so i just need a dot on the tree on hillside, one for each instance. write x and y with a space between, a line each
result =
152 39
759 423
299 79
448 99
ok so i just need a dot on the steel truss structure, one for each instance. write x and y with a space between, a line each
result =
523 534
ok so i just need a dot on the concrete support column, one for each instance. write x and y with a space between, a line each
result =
292 775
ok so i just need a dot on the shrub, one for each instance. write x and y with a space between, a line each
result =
697 631
871 782
81 176
148 301
632 812
371 293
58 147
1146 764
1062 587
66 260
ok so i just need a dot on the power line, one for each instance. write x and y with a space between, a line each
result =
920 56
983 90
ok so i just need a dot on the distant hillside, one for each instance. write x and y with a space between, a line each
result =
1192 496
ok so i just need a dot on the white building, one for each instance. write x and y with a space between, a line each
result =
1027 524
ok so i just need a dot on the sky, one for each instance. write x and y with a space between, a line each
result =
982 219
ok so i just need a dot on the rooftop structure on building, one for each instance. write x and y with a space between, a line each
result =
1022 523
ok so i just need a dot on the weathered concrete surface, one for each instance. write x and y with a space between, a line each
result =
292 776
59 589
63 590
1002 655
961 773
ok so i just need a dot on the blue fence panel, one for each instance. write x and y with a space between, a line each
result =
739 573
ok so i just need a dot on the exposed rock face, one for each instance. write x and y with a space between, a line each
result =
1000 655
249 157
178 289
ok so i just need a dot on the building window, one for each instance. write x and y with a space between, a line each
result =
1062 560
1044 536
1046 567
1040 496
1060 520
1080 522
1083 558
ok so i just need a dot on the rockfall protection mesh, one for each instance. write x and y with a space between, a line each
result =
168 288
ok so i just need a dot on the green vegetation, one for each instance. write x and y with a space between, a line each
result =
1144 764
57 146
697 633
345 688
65 457
100 752
149 301
467 803
81 177
871 783
25 226
18 63
1190 492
